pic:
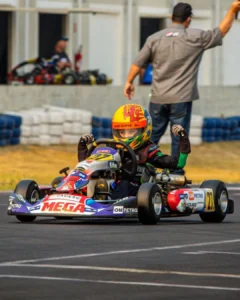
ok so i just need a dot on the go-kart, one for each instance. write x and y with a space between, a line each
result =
41 71
87 191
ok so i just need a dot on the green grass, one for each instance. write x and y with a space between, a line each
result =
207 161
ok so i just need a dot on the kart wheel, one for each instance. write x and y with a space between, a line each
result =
26 219
63 218
30 191
220 198
56 181
69 79
149 203
29 79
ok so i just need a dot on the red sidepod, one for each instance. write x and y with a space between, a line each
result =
174 197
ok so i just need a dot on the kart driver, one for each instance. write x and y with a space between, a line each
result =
132 124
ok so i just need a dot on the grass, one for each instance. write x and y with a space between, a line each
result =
207 161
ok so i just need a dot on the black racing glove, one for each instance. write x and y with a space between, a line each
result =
86 139
184 144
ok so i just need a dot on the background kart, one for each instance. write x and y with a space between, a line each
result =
44 71
40 71
86 191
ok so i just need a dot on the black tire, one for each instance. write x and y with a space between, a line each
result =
219 192
29 79
70 78
56 181
30 191
26 219
148 214
63 218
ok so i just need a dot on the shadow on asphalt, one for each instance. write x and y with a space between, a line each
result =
132 222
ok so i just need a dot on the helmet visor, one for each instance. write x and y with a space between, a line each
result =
128 133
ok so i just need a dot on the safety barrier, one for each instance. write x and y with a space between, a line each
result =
53 125
57 125
10 131
101 127
221 129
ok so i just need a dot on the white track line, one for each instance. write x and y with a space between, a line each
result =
125 270
212 252
122 252
122 282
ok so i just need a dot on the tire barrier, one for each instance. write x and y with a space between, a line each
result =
51 125
10 130
48 125
101 127
195 134
221 129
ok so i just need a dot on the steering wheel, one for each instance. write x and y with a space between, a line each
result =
113 144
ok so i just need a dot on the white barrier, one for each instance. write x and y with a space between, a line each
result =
53 125
195 134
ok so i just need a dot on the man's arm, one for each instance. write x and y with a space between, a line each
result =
140 62
227 22
129 87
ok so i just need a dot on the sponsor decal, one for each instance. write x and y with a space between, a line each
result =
172 34
113 165
101 156
20 198
118 209
130 210
34 208
15 206
181 205
183 196
58 206
199 194
64 197
103 151
190 195
126 210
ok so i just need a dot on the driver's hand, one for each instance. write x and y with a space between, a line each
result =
86 139
178 130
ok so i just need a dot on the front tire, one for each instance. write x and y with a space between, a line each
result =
30 191
149 203
220 195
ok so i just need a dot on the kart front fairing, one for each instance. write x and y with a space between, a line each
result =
101 159
72 205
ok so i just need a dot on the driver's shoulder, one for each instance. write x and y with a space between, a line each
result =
147 151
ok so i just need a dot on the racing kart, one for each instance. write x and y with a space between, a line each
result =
45 71
86 192
41 71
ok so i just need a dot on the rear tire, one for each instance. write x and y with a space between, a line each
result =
30 191
149 203
220 195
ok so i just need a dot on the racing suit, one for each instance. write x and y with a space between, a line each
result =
147 154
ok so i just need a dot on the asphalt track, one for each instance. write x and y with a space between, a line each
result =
180 258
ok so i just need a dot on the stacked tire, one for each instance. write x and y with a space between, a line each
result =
10 130
101 127
221 129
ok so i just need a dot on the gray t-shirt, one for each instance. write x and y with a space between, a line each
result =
175 54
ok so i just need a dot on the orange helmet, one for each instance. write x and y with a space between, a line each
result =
132 124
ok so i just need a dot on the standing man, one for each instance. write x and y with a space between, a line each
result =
175 54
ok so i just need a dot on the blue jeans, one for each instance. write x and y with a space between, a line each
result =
162 114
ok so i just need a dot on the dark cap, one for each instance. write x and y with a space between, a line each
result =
63 38
182 11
